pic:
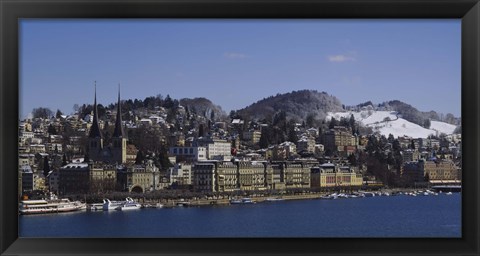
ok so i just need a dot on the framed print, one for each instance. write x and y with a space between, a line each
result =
224 127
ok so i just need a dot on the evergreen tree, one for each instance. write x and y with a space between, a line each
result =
58 114
64 160
333 123
46 166
51 130
140 158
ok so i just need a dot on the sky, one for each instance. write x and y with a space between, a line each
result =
235 63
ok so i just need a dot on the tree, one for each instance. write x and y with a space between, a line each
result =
51 130
58 114
140 158
46 166
44 113
333 123
310 120
426 123
64 160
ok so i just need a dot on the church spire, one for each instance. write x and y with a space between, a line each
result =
95 129
118 132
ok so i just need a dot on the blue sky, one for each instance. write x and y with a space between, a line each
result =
236 62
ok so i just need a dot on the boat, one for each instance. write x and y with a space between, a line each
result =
111 205
130 204
331 196
50 206
94 207
244 200
448 193
369 194
274 199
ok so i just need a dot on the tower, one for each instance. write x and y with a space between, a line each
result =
119 140
95 138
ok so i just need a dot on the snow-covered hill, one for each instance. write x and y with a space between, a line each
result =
388 122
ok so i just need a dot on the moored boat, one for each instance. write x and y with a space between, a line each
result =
130 204
50 206
244 200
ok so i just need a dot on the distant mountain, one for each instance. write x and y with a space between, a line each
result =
203 107
297 105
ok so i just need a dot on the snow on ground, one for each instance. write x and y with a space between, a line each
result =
442 127
387 122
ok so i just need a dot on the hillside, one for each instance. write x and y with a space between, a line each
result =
297 105
390 122
203 107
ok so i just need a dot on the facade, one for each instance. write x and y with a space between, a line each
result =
27 178
252 136
442 171
204 176
410 155
413 172
251 176
338 138
330 175
296 176
102 177
139 178
189 154
217 149
74 178
227 178
181 174
274 176
306 144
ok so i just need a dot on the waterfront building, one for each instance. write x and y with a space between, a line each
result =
331 175
27 183
181 174
442 171
204 176
227 177
138 178
413 172
74 178
103 177
53 181
251 175
296 176
274 176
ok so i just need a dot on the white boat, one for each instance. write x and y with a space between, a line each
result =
448 193
129 205
244 200
50 206
94 207
274 199
369 194
111 205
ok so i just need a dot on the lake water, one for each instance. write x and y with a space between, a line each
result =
380 216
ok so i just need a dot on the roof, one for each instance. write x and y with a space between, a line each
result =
118 132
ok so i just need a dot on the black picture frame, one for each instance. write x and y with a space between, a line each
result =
13 10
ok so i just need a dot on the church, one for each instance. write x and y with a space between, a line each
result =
116 152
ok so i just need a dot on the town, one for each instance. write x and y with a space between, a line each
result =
161 148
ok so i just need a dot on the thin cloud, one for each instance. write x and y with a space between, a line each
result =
340 58
235 55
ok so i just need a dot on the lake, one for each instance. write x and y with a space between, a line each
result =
380 216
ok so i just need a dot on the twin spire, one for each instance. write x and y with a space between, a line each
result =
95 129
